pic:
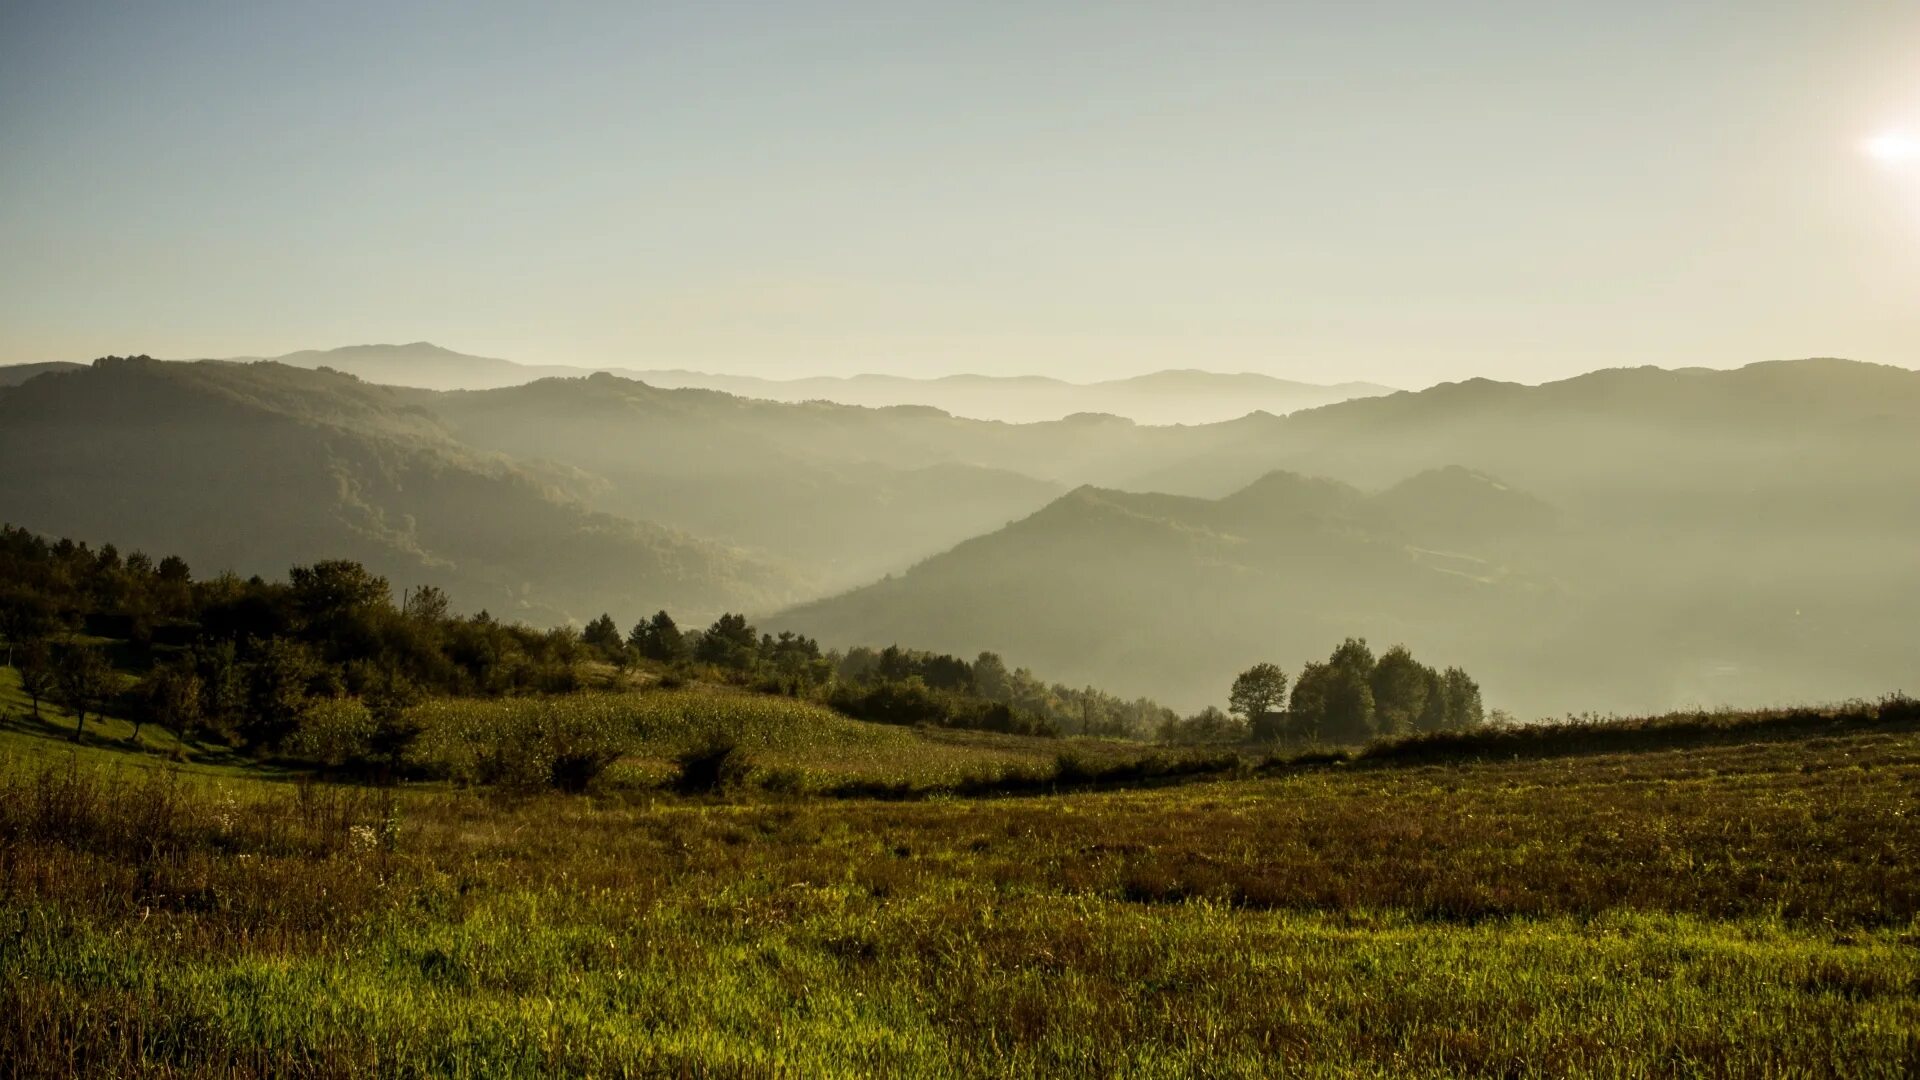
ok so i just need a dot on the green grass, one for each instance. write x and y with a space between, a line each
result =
814 746
1749 907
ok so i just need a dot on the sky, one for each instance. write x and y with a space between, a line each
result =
1394 190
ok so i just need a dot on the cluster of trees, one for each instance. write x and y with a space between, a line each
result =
1350 697
910 686
247 660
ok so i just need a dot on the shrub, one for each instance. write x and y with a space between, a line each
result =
709 766
334 732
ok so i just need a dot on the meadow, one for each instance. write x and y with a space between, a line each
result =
1740 900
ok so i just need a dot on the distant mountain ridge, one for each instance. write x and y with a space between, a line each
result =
1188 396
255 467
1628 539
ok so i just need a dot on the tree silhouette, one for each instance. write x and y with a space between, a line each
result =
82 680
1257 696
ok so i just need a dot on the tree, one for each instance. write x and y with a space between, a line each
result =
1353 655
1257 692
729 643
24 615
37 672
659 639
334 602
167 697
1333 701
223 684
277 680
1209 725
604 637
990 678
1434 712
1464 707
1399 686
82 680
1349 716
332 587
426 604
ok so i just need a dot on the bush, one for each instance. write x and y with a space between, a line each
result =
334 732
712 765
911 701
526 744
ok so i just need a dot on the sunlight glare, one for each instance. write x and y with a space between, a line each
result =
1894 148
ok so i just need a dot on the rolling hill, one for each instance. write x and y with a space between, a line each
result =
1653 539
15 374
849 493
255 467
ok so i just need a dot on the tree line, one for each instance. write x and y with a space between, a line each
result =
245 660
1350 697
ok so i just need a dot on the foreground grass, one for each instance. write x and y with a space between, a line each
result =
1739 909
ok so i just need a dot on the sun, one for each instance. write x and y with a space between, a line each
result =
1893 149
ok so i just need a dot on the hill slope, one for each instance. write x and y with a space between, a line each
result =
850 493
15 374
1653 539
256 467
1178 593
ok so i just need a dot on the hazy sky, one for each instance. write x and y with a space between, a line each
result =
1405 191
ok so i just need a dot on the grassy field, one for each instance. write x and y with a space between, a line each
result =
1743 906
798 745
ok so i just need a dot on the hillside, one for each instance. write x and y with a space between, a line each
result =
1594 606
15 374
256 467
849 493
1180 593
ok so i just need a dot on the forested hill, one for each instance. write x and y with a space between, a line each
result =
257 467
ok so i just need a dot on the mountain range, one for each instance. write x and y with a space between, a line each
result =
1627 539
1166 397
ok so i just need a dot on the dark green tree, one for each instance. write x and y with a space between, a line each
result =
333 587
83 680
278 677
1438 706
1464 707
25 614
37 672
659 639
1332 701
991 679
730 643
167 697
1399 686
1257 697
1350 714
426 604
603 637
